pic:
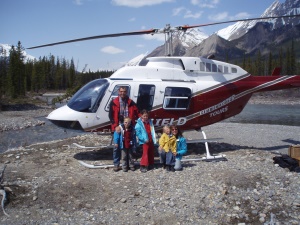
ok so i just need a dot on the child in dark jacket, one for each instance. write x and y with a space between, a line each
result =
125 140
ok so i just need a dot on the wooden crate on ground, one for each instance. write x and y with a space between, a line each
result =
294 152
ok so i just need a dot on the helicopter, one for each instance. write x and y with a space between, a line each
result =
190 92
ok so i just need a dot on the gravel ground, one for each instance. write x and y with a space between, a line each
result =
50 186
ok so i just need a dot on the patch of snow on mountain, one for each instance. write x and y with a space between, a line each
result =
192 37
240 28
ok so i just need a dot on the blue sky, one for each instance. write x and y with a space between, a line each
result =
37 22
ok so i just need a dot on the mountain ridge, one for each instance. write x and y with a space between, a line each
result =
247 38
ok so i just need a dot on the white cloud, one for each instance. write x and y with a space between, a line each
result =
177 11
219 16
195 15
132 19
186 13
140 46
241 15
138 3
158 37
111 50
78 2
205 3
224 16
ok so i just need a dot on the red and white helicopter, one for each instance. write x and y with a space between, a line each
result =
191 92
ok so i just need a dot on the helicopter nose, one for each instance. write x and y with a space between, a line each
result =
65 117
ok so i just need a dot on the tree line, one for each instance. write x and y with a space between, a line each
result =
19 76
260 65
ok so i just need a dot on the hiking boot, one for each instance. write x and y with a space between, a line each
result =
125 169
172 169
150 167
143 169
116 168
168 168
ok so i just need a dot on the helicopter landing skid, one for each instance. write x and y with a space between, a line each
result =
208 155
93 147
91 166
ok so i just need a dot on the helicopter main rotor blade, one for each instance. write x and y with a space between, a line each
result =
167 29
185 27
152 31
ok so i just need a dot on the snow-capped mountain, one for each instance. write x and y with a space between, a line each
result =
5 48
191 37
241 38
289 7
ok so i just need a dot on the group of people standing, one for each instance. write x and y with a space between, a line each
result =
132 128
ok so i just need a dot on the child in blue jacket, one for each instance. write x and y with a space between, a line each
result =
146 136
125 141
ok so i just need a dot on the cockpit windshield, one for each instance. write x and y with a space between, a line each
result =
88 98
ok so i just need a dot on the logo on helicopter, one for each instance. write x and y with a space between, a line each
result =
218 108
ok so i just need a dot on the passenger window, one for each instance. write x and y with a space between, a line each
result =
177 98
202 66
214 68
115 94
220 68
208 67
146 96
233 70
225 69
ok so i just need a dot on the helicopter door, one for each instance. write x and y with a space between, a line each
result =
145 97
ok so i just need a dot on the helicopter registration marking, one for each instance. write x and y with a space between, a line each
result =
219 106
169 121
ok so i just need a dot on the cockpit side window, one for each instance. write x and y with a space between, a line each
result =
114 94
88 98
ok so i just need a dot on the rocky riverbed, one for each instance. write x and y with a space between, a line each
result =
50 186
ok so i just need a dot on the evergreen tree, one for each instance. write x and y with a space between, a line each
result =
16 72
3 73
72 74
293 58
259 66
270 63
288 62
52 71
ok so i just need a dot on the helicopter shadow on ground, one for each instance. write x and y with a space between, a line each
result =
95 154
106 154
195 150
222 147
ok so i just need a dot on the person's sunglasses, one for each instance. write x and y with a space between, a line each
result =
175 129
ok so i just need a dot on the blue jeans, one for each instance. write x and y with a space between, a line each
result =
162 156
116 156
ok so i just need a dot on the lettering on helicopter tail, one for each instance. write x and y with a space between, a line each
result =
219 111
169 121
218 106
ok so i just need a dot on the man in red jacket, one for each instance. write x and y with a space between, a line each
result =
121 107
